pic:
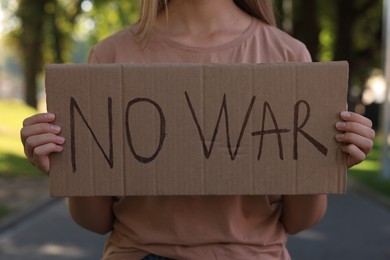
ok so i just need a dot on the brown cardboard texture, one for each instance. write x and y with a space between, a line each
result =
193 129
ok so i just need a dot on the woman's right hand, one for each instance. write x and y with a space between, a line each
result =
40 138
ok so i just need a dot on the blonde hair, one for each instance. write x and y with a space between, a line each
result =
260 9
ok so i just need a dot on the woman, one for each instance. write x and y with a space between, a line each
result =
196 227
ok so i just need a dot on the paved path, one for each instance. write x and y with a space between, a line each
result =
355 228
50 234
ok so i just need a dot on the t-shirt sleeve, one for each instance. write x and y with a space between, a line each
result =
298 52
305 54
92 58
103 52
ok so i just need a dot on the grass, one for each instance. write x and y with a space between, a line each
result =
13 162
4 211
369 172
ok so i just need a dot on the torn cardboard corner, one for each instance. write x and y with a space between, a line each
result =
197 129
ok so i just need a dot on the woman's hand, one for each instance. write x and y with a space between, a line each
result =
356 136
40 138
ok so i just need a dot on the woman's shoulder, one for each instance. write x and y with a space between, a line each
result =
278 41
109 49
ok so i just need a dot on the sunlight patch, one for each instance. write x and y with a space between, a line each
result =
52 249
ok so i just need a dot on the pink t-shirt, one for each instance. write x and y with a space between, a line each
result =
199 227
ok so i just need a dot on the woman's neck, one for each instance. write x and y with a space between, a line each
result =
202 23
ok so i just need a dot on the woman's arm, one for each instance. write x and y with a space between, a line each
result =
92 213
356 138
302 211
40 138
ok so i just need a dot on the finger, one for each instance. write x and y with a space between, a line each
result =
38 128
39 118
354 117
363 143
356 128
45 150
355 155
41 155
37 140
43 163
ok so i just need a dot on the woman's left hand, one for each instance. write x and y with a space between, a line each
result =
356 136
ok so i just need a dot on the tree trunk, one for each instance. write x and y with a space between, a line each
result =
58 37
344 33
31 13
346 19
305 25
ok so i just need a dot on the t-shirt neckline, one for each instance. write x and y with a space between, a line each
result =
227 45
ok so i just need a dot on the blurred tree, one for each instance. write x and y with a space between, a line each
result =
45 25
61 20
338 30
358 39
32 16
112 16
50 25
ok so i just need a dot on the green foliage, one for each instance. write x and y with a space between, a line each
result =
112 16
368 27
366 30
73 27
327 25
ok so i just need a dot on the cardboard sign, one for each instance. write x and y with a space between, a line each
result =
197 129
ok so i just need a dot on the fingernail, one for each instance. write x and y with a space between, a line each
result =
50 116
339 137
345 114
340 125
56 128
60 139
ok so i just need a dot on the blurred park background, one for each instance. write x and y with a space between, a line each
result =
38 32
